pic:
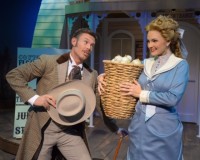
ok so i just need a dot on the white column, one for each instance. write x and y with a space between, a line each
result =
143 18
70 22
198 19
93 22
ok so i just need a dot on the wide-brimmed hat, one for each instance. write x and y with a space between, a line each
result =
75 102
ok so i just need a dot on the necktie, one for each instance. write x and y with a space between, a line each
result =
75 73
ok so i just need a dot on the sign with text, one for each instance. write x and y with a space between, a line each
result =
21 115
25 55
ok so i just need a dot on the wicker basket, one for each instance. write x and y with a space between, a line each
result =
114 104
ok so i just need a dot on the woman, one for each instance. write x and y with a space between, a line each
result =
155 130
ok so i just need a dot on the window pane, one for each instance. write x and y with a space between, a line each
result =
116 48
121 45
121 35
126 46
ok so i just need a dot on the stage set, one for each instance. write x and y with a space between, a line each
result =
115 22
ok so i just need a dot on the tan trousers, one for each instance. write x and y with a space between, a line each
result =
72 147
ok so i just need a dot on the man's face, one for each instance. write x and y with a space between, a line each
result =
82 47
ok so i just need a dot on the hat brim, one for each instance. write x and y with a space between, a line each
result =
89 105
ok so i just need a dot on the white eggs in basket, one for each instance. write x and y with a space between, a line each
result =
118 58
136 62
126 59
129 57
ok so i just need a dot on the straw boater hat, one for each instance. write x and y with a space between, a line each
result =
75 102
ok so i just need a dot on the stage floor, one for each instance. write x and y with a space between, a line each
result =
101 141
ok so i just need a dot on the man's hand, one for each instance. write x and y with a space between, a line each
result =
101 83
46 101
122 132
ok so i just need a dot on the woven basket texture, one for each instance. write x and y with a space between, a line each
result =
115 105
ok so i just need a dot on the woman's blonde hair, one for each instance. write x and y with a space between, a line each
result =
168 28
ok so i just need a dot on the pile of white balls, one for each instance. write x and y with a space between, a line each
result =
126 59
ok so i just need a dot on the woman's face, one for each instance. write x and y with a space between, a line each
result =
156 43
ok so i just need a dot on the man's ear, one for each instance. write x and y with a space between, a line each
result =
73 41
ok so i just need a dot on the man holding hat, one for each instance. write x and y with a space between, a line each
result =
60 104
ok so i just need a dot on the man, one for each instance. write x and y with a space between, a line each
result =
41 132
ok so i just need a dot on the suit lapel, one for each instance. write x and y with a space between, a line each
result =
87 76
62 72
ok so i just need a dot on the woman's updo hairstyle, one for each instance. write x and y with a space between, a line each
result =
168 28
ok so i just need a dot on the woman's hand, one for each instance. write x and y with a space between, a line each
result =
133 89
46 101
101 83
